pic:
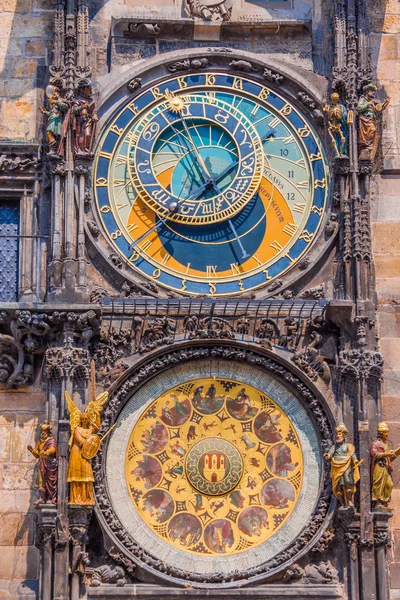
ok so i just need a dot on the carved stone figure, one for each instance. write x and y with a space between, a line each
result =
381 468
344 467
368 109
211 10
55 115
83 443
84 119
337 125
186 64
46 451
108 574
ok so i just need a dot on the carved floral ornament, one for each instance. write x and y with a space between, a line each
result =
122 539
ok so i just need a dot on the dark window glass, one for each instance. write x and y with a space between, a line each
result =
9 226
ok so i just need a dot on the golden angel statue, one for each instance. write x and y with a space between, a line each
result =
84 444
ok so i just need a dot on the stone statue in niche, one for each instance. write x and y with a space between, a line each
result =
211 10
368 109
84 119
58 108
46 451
345 471
381 468
84 444
337 125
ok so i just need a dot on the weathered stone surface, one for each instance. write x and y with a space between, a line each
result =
386 237
387 265
24 67
5 442
19 562
12 6
13 501
35 47
394 574
18 477
16 529
390 348
20 438
390 408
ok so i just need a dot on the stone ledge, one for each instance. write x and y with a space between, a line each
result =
273 592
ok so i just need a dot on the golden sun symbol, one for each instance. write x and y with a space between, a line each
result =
175 103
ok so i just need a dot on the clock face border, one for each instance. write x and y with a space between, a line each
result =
316 244
209 359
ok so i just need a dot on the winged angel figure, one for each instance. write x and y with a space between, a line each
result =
83 443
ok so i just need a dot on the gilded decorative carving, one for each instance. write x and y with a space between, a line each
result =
84 443
381 469
345 472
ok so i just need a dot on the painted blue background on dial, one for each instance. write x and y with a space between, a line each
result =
228 253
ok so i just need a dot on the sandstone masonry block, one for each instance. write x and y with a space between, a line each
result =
22 6
24 67
390 348
18 477
12 501
387 265
19 562
35 48
20 438
5 443
386 237
16 529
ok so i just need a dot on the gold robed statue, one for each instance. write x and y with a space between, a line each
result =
345 471
381 468
84 444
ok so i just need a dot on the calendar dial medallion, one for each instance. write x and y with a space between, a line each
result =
210 184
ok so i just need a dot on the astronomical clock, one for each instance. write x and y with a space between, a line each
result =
210 184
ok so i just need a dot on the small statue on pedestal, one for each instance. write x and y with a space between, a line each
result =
84 119
345 471
368 109
84 444
337 125
381 468
46 450
55 116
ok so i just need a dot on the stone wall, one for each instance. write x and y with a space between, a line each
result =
26 29
20 414
114 47
385 45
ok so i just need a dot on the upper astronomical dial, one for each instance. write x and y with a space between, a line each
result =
195 159
211 184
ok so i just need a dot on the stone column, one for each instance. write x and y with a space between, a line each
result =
381 517
352 539
79 519
45 537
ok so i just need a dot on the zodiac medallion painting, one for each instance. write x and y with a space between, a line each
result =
214 467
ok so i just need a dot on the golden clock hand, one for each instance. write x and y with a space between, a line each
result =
174 206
